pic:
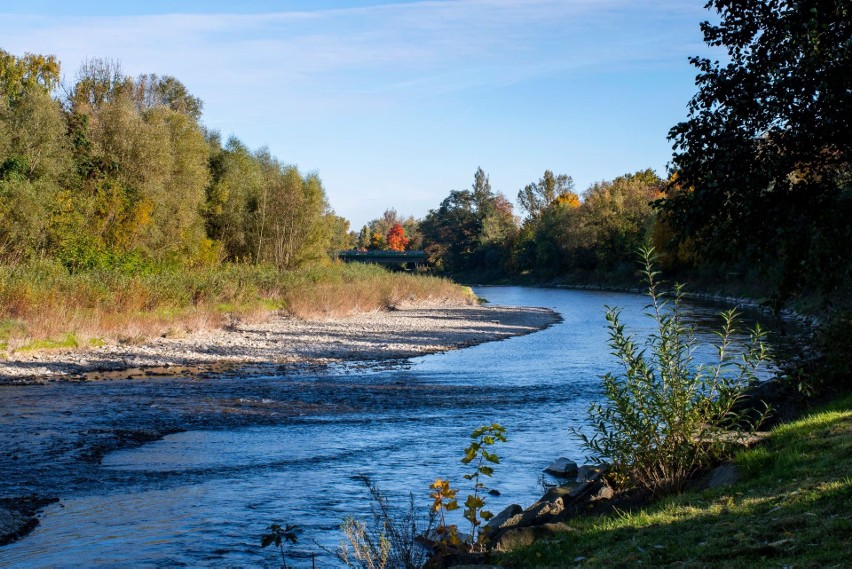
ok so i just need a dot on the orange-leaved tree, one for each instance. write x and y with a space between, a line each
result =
397 241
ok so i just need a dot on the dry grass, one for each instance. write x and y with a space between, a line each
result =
42 305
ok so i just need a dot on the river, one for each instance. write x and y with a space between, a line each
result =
239 453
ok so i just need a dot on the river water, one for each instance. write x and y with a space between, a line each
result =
191 471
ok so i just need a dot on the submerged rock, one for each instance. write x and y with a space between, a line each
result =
18 516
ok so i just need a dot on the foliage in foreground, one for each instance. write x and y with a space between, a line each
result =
791 509
764 159
44 301
663 417
280 537
388 539
444 496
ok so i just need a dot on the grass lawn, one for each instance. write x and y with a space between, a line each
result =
791 508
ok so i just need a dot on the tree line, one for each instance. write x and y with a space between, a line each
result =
475 232
759 187
119 172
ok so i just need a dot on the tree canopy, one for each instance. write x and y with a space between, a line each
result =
763 162
120 172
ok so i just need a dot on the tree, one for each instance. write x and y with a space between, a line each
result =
150 91
471 229
619 217
18 74
535 197
396 239
451 232
34 153
235 184
764 159
340 238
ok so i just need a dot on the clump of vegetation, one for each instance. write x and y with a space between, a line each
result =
280 536
444 496
663 417
790 508
43 301
388 540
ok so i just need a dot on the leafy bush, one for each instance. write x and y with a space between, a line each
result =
664 417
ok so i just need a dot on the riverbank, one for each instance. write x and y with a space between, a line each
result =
410 329
788 505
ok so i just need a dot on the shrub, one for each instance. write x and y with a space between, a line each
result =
663 417
444 496
388 540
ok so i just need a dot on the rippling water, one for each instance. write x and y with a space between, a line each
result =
240 453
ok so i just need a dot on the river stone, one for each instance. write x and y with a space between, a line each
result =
562 467
605 493
500 520
723 476
541 511
589 472
525 536
556 492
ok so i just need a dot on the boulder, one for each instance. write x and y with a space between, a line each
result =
563 467
525 536
604 493
720 477
541 512
501 520
556 492
590 472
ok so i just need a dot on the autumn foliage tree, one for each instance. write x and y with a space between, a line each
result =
396 239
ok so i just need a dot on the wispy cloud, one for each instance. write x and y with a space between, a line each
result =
328 59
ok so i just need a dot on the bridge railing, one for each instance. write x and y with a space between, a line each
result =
402 258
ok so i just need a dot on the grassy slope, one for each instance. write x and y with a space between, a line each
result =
791 508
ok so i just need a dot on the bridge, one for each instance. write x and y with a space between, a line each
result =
407 260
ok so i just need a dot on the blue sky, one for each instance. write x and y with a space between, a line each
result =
394 104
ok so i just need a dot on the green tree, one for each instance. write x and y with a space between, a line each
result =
142 173
764 160
471 228
619 217
288 227
535 197
32 71
150 91
451 232
236 182
34 153
340 238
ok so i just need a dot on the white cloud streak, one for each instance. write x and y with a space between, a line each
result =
333 59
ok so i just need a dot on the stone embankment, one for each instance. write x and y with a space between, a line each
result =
584 490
